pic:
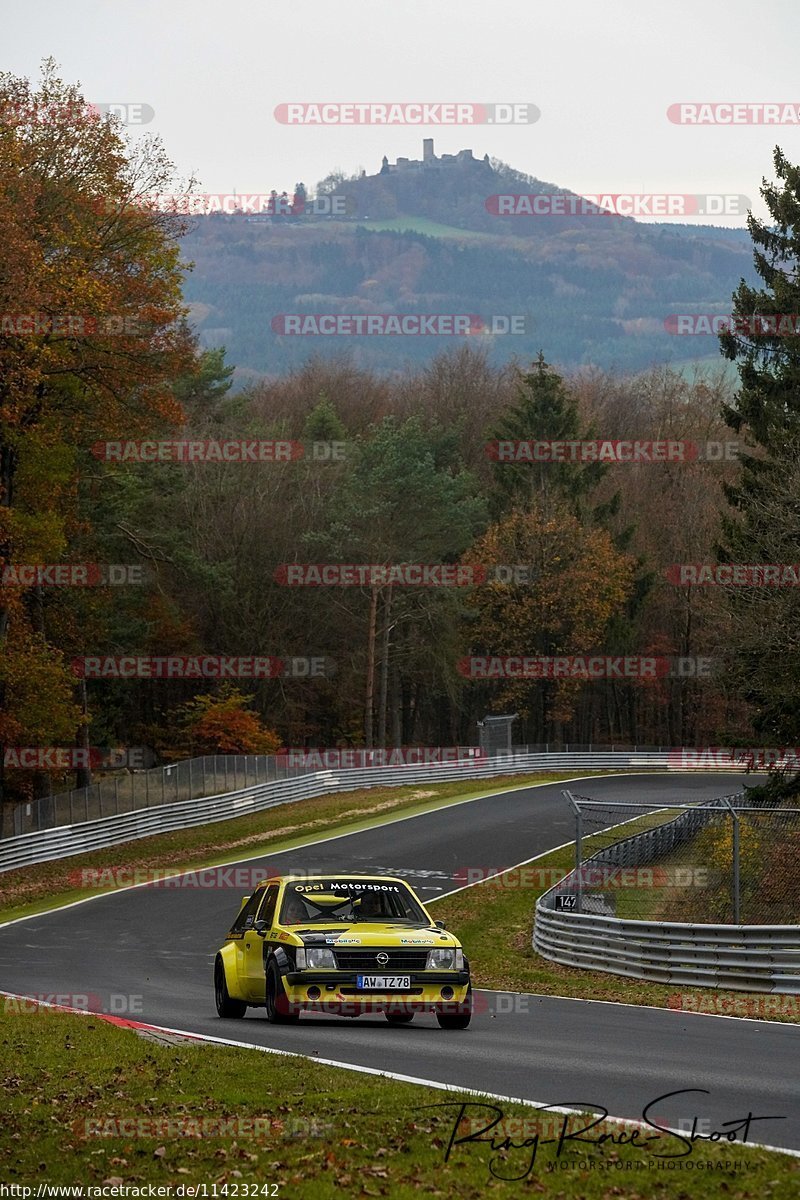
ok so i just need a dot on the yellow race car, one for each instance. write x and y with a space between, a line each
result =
344 944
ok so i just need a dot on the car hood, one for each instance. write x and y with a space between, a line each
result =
360 934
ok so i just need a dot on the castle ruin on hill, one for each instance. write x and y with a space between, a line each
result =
429 160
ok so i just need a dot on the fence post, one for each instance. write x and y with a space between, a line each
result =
147 789
578 847
191 781
737 889
203 774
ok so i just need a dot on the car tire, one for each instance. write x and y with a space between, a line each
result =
226 1005
278 1009
461 1017
399 1018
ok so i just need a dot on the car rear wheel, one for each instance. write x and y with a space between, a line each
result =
226 1005
460 1016
399 1018
278 1009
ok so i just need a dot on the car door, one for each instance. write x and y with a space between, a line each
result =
253 978
241 934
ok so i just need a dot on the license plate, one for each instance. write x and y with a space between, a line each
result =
383 983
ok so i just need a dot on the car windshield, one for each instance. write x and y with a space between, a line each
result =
351 900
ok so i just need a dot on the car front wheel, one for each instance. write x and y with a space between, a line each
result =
226 1005
460 1016
278 1009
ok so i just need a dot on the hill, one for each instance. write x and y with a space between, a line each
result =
422 238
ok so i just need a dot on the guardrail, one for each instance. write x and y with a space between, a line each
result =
757 958
750 958
68 840
214 774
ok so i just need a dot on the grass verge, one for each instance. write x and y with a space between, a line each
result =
48 885
86 1103
494 921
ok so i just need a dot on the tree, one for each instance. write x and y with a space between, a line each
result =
545 411
221 724
92 339
762 524
405 498
580 583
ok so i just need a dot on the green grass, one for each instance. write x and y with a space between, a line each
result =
424 226
494 921
313 1130
48 885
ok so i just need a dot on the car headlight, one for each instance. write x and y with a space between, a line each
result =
445 960
314 958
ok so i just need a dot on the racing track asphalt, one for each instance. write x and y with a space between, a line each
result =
154 946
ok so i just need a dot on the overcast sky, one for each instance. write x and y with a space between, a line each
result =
602 74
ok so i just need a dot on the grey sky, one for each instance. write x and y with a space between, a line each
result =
603 75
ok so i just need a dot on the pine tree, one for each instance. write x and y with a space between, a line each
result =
762 524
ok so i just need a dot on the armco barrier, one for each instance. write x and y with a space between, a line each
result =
750 958
67 840
756 958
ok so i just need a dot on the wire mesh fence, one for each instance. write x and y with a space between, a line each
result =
720 862
211 775
126 791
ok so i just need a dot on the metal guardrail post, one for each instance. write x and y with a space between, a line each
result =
578 848
736 855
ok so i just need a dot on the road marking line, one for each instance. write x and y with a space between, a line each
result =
305 845
413 1079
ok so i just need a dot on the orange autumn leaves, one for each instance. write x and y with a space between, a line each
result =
92 339
580 582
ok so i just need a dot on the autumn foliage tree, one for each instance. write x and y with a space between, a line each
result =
222 723
92 336
580 581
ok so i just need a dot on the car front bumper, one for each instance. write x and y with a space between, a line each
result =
338 992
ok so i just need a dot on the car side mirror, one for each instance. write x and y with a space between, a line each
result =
441 925
260 927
